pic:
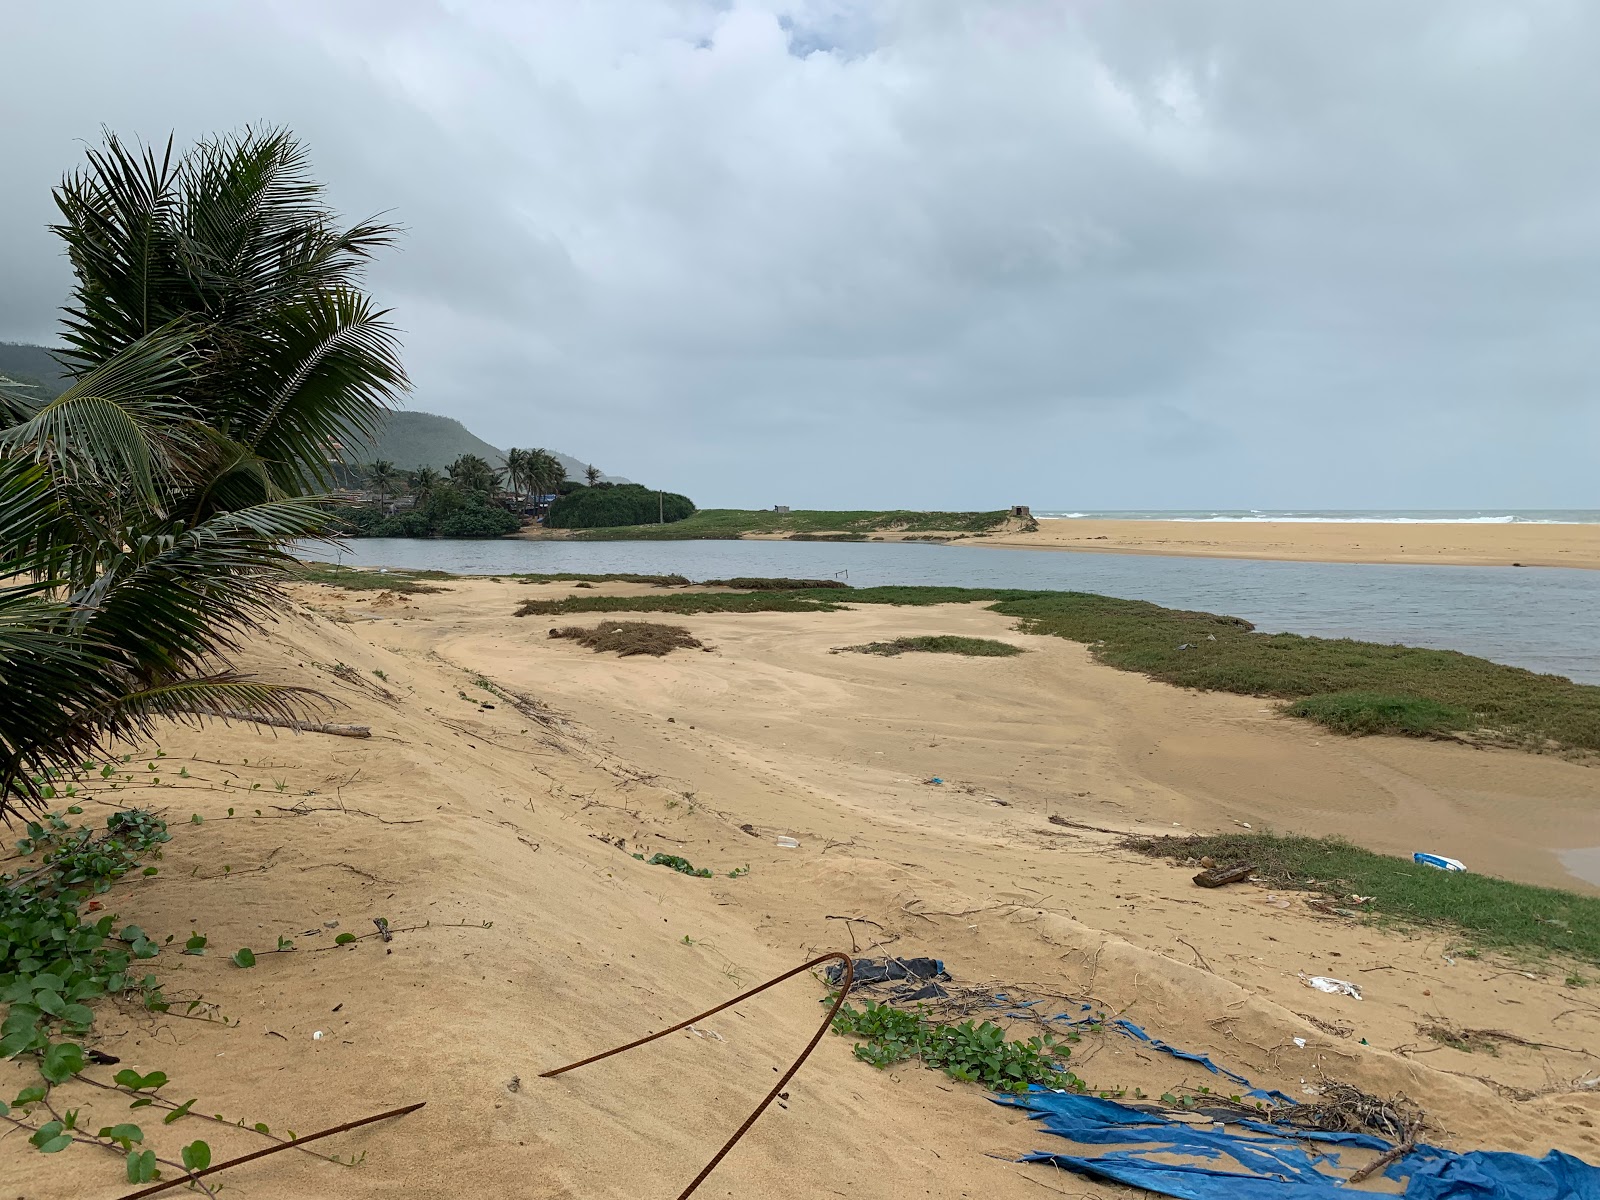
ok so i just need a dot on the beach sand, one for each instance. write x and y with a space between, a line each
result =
1467 545
525 814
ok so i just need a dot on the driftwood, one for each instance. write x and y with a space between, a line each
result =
354 731
1218 876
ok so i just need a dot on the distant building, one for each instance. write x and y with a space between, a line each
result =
780 508
1023 511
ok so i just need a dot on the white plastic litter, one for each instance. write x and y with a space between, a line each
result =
1423 858
317 1036
1301 1042
1337 987
788 843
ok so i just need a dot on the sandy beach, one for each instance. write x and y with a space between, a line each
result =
1450 544
492 816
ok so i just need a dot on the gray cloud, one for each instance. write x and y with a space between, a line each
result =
926 252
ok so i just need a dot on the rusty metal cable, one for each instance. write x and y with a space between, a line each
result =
190 1176
838 1000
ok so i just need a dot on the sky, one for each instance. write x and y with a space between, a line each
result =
952 254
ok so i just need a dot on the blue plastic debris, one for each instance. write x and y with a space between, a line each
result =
1423 859
1273 1162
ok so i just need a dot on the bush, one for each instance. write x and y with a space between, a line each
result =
404 525
479 521
363 519
607 506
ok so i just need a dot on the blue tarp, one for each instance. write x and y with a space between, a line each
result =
1272 1162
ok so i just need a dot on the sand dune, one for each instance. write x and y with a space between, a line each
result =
459 814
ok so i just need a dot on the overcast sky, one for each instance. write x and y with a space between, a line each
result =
926 253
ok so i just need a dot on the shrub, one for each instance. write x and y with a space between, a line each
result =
403 525
941 644
607 506
479 521
631 637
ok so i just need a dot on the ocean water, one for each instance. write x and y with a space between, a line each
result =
1368 516
1545 619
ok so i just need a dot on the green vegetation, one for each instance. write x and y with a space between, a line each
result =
940 644
715 523
759 584
612 504
419 439
1435 690
1357 713
613 577
1491 913
358 579
463 507
148 512
971 1053
681 865
32 370
628 638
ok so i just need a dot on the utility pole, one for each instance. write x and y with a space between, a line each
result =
661 508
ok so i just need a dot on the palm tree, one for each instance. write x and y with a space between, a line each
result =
517 464
383 478
591 475
471 473
424 480
221 349
547 471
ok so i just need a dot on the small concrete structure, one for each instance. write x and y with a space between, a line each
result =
780 508
1022 510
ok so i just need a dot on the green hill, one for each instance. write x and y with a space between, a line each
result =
30 370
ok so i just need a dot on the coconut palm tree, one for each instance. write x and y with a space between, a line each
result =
220 347
424 480
546 471
383 478
591 475
517 477
471 473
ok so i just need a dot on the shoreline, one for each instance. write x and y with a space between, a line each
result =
1443 543
1455 544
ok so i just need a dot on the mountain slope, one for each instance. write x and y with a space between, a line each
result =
408 439
422 439
30 370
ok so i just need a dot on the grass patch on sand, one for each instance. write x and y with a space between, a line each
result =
736 522
362 579
628 638
1356 686
748 583
1492 913
613 577
940 644
1359 713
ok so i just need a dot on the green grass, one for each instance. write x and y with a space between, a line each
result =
1361 685
614 577
1488 912
746 583
940 644
360 579
736 522
1358 713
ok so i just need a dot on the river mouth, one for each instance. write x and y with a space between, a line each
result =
1544 619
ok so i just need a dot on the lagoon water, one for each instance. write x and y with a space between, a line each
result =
1545 619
